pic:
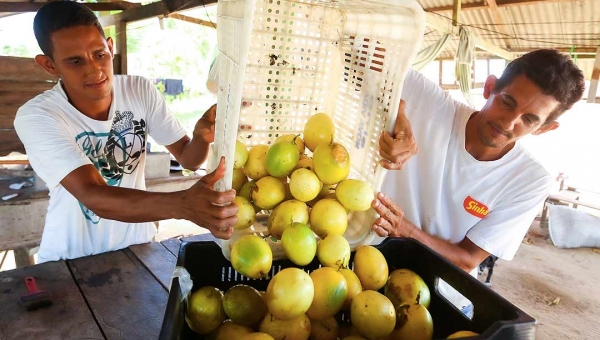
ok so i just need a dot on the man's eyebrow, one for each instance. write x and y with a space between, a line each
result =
509 98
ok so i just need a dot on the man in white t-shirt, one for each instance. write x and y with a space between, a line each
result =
86 138
472 189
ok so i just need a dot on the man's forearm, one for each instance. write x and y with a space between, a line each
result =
453 252
131 205
194 153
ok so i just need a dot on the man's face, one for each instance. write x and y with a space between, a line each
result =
83 60
520 108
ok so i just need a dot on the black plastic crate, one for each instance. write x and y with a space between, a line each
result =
494 317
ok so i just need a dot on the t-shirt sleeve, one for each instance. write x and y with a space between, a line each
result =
52 152
501 232
164 128
423 97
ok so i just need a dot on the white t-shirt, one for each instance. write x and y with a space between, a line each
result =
448 193
58 139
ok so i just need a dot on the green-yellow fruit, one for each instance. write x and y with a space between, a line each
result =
255 167
334 251
372 314
294 329
251 256
305 162
289 294
354 286
318 129
205 311
328 217
354 194
246 214
299 243
324 329
305 185
330 293
462 334
244 305
404 286
413 322
284 215
268 193
238 180
331 163
292 138
281 159
371 267
240 157
257 336
229 330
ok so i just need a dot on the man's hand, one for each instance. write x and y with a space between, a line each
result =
397 148
212 209
391 221
205 127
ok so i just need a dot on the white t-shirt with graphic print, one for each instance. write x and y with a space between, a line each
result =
448 193
58 139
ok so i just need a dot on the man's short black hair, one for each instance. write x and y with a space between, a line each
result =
553 72
57 15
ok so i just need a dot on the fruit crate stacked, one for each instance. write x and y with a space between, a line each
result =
494 318
282 62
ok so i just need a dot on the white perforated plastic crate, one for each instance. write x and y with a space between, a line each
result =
292 59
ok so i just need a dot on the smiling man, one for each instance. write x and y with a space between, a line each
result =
86 138
472 190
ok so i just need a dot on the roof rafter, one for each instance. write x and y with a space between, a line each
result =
19 7
497 19
482 4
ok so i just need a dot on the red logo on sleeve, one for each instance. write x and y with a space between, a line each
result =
475 208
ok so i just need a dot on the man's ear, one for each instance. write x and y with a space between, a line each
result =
546 127
47 64
488 88
110 44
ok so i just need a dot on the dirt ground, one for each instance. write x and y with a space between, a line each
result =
558 287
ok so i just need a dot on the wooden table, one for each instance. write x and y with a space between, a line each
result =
116 295
22 219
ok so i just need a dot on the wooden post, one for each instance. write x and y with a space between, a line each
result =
121 37
456 12
594 79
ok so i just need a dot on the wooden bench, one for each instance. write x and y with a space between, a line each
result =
570 196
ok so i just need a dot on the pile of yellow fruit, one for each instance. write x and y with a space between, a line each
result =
332 302
305 197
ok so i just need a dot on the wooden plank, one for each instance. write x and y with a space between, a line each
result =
19 7
193 20
152 10
7 119
15 98
33 87
22 69
157 259
128 302
559 198
172 246
497 20
9 142
67 318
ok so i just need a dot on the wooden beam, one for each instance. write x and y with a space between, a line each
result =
594 80
140 13
497 19
456 12
155 9
482 4
193 20
14 7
